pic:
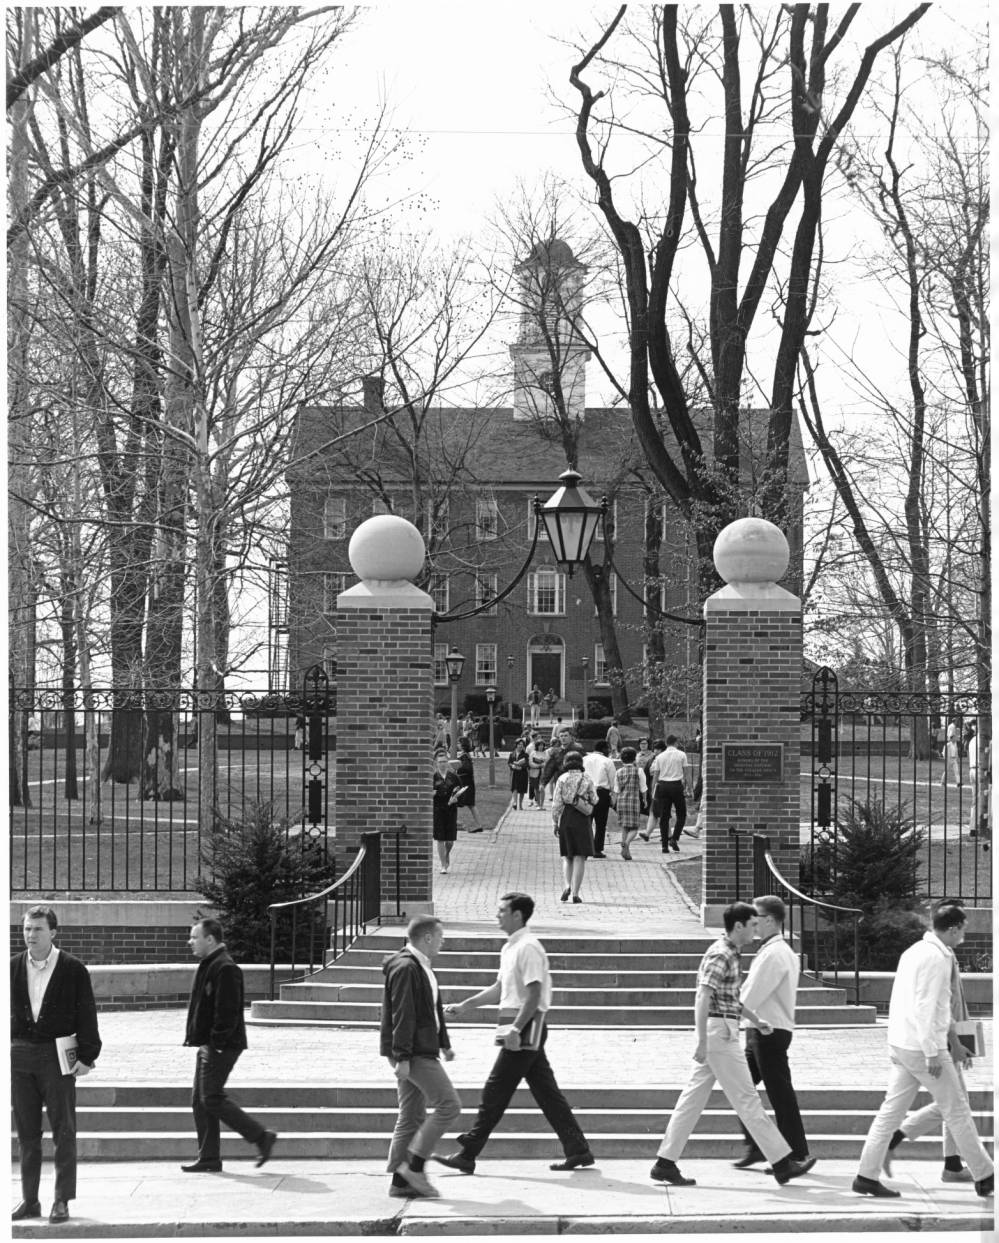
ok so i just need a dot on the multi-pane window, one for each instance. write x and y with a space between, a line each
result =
485 590
439 589
599 664
486 518
657 593
613 596
440 668
333 585
646 678
329 656
531 520
485 664
335 517
546 592
381 505
438 518
598 534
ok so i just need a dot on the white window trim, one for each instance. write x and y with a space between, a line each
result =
599 674
532 593
337 530
485 674
334 582
613 596
440 651
486 507
482 593
444 581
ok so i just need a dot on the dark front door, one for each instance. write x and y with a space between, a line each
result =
546 671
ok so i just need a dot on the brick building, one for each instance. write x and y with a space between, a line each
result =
467 477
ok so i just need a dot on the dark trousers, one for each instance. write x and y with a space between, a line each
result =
504 1078
211 1105
35 1080
670 795
600 814
766 1057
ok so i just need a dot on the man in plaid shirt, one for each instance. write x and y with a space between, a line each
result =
718 1056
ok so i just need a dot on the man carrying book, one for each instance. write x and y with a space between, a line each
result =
523 989
51 1000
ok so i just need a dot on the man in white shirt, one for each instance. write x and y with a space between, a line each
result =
600 769
523 988
919 1017
670 772
770 991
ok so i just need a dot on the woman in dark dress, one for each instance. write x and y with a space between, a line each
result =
518 774
446 785
465 770
575 841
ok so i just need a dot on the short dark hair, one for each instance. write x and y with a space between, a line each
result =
643 740
572 759
948 915
659 745
522 902
211 928
465 743
670 739
737 913
770 904
421 925
628 755
43 912
600 746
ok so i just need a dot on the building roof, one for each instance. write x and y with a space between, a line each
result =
501 450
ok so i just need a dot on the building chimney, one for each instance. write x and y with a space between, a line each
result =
374 394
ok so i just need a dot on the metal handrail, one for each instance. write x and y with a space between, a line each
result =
274 909
761 844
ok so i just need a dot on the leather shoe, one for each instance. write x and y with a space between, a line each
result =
203 1167
418 1181
986 1186
60 1211
871 1187
787 1169
963 1175
402 1193
565 895
27 1208
457 1161
752 1156
667 1172
599 855
265 1146
575 1162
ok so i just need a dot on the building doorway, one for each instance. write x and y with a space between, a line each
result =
546 664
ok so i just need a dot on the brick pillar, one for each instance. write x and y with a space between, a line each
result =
752 715
385 709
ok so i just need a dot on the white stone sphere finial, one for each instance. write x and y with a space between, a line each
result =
386 548
751 550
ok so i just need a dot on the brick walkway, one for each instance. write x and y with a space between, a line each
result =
639 898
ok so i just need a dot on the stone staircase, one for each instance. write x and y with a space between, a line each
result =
148 1122
598 982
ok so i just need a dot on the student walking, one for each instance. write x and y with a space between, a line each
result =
573 801
523 989
629 789
414 1039
670 781
718 1056
445 830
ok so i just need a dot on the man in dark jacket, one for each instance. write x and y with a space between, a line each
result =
215 1026
50 996
413 1038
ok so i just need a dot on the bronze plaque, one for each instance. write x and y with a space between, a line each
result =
753 761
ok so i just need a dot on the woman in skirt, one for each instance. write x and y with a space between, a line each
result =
575 790
446 785
629 787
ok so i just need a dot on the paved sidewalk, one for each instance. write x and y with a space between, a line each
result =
133 1200
640 898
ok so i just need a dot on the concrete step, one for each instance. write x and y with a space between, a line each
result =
340 1145
368 1013
528 1119
633 998
471 978
382 1096
490 943
488 960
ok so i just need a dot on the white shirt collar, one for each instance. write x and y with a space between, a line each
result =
418 955
48 960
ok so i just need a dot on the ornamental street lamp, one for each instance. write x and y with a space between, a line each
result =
584 661
490 700
454 663
571 516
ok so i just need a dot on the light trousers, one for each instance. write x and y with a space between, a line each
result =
726 1064
923 1121
428 1087
908 1075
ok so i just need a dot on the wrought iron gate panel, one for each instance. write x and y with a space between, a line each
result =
872 747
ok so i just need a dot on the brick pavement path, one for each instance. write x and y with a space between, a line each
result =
637 898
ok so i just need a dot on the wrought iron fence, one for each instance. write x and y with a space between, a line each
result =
356 902
115 790
913 760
